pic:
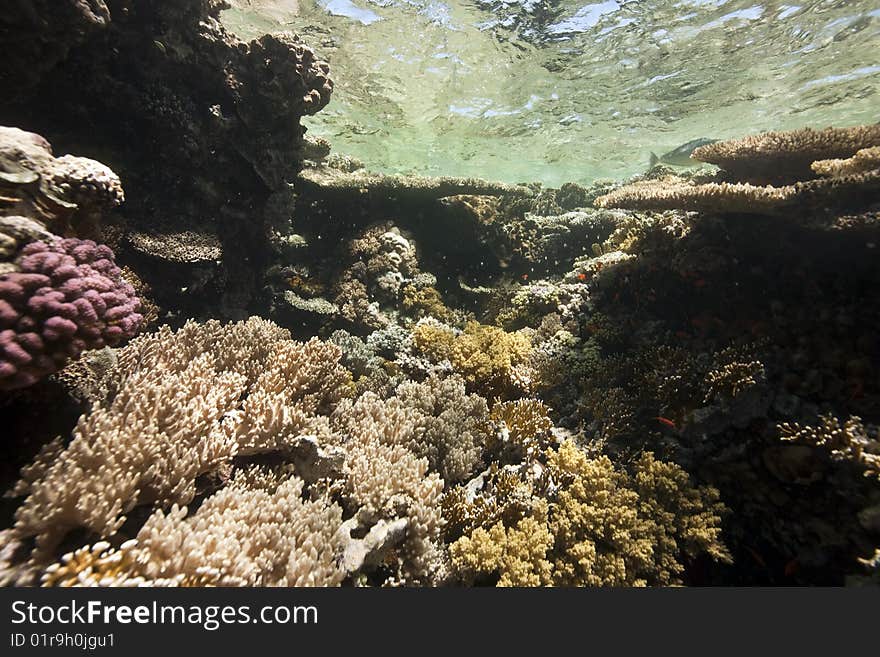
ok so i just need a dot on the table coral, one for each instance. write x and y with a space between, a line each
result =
867 159
786 156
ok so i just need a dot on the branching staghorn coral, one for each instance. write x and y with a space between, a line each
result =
732 374
187 403
849 441
786 156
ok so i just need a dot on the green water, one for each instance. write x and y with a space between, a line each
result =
564 90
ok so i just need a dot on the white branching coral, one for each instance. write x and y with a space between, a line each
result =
250 533
388 481
245 536
450 425
149 444
187 403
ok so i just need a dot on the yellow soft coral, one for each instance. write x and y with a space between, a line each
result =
600 538
614 529
596 525
425 302
517 554
490 359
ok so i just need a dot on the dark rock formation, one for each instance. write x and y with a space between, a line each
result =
200 126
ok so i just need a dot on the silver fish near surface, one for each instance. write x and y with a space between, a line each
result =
681 156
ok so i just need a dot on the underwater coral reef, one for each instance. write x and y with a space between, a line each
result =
262 365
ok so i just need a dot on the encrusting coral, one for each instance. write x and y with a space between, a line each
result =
67 194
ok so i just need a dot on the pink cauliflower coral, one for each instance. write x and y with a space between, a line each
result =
68 296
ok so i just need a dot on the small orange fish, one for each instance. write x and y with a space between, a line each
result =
582 276
525 277
666 422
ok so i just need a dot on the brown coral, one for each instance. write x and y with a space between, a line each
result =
491 360
673 193
600 526
520 428
867 159
786 156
